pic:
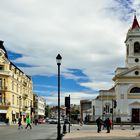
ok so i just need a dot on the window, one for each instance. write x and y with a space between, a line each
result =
12 85
1 67
136 60
13 99
0 84
17 101
17 87
136 73
127 50
136 47
122 96
106 108
135 90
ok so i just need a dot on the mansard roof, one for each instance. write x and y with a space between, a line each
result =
3 48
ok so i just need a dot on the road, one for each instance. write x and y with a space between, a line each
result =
49 132
40 132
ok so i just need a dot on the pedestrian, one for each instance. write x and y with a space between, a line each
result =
19 123
15 120
99 124
104 124
108 124
7 121
36 121
28 123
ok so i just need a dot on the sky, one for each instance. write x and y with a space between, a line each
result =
89 35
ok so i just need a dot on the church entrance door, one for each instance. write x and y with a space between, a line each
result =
135 115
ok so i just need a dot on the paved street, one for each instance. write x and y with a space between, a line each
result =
49 132
89 132
40 132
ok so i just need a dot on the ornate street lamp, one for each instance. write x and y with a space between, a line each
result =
58 60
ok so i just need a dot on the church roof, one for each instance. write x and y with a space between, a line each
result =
109 90
3 48
135 23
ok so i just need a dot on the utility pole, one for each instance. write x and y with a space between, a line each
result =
112 112
69 114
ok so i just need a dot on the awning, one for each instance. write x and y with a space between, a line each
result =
3 111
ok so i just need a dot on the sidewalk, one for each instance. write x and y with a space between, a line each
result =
90 134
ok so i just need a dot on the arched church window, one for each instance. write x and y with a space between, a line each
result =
136 47
127 50
135 90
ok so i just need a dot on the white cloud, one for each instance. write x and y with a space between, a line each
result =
96 85
75 97
87 35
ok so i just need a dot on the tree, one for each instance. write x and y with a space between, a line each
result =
47 111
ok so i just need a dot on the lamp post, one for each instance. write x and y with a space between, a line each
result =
20 106
58 60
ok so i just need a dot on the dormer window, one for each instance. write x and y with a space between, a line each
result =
136 47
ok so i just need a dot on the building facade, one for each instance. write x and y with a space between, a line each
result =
86 113
39 106
16 98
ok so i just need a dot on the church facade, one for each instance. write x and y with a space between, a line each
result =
127 79
126 90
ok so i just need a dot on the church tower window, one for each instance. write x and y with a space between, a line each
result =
136 73
136 47
135 90
136 60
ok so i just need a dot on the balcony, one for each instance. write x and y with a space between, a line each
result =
25 108
5 73
5 105
24 84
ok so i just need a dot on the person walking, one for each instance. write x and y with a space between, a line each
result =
108 124
7 121
19 123
28 123
99 124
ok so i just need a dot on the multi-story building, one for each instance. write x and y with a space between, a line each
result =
39 106
16 98
54 111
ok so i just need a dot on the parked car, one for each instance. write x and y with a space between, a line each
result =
41 121
55 121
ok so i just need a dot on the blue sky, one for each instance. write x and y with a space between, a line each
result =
89 35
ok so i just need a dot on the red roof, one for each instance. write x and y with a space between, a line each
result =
135 23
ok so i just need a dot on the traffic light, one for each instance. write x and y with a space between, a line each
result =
111 110
67 104
114 103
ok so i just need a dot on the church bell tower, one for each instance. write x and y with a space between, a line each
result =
133 45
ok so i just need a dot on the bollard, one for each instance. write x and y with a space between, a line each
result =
64 129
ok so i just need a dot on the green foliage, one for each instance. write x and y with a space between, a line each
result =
47 111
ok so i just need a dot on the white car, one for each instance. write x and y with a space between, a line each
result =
55 121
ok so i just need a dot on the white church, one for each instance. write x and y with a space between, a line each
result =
127 79
126 89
